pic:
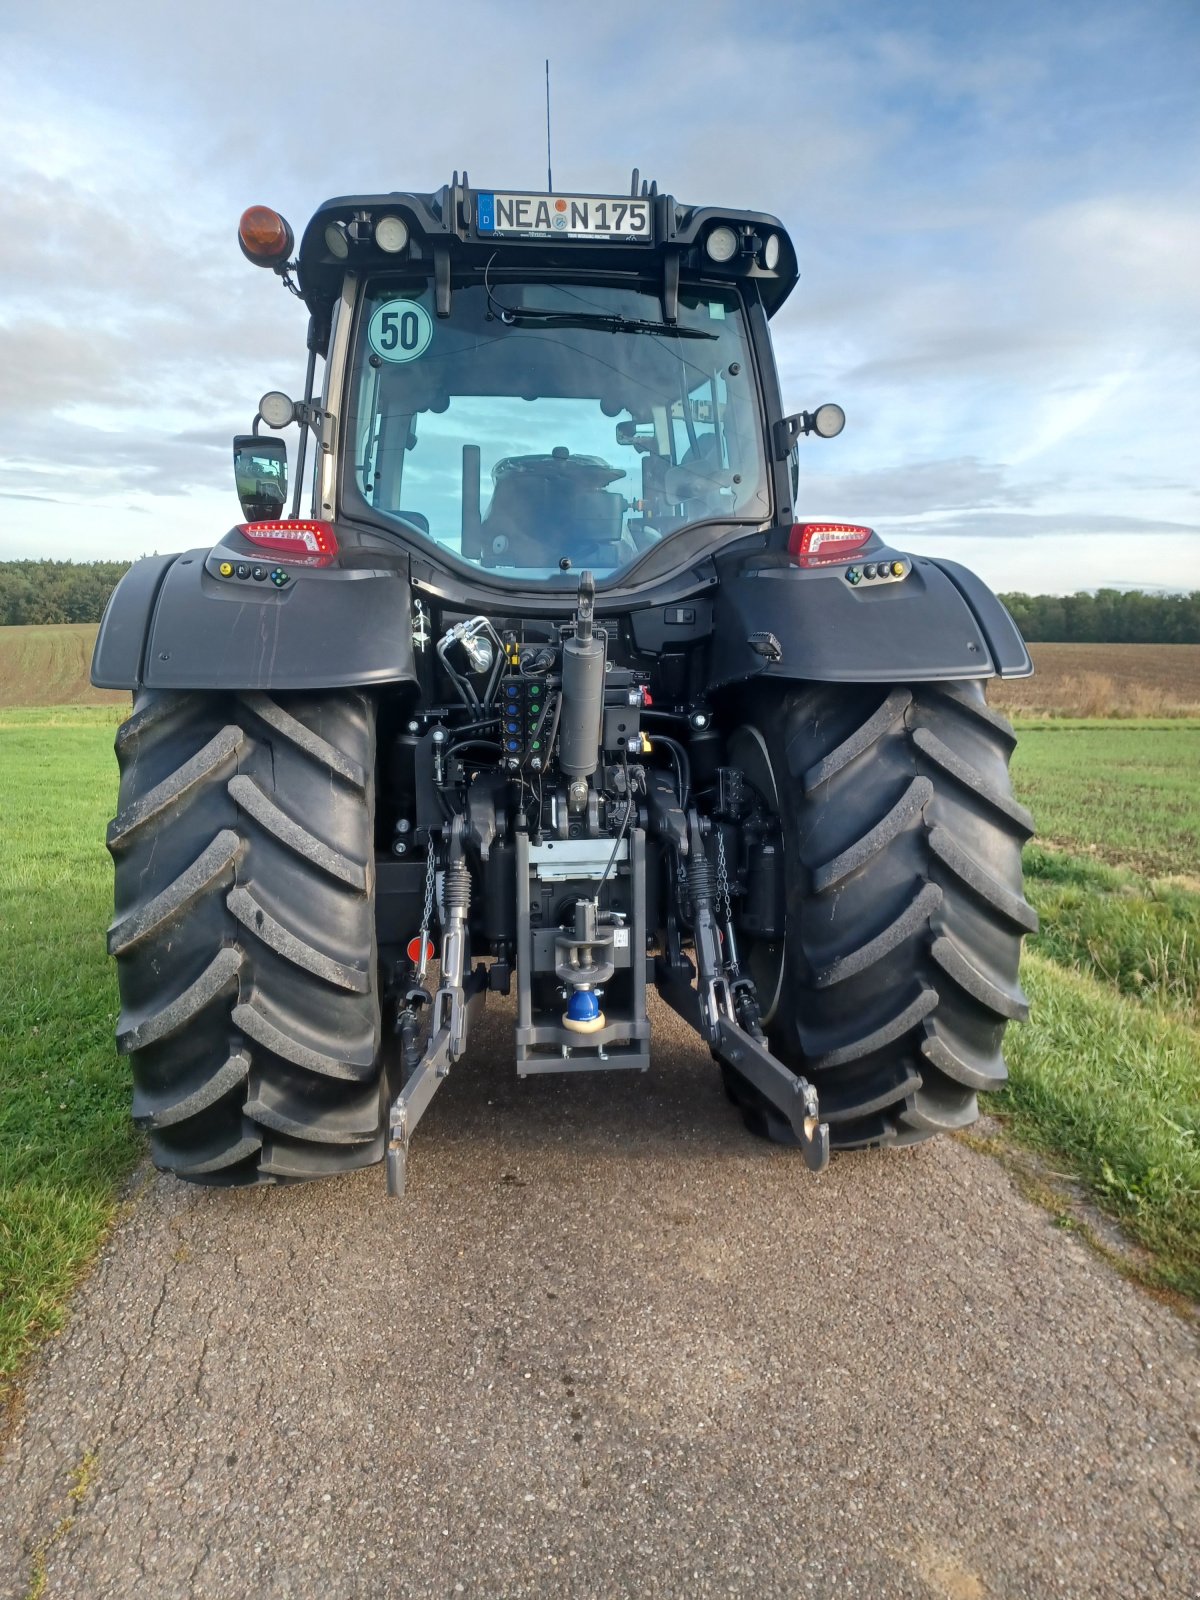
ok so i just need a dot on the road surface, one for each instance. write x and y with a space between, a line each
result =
608 1346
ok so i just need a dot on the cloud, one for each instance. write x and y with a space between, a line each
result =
995 213
1037 525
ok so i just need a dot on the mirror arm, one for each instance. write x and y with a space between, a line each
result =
788 431
307 421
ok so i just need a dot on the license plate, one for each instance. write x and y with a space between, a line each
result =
564 216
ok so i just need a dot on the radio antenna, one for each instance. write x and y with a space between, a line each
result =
549 179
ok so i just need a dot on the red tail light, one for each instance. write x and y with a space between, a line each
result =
312 544
816 544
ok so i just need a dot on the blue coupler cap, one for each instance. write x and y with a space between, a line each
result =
583 1013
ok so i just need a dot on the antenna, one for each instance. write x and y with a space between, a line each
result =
549 179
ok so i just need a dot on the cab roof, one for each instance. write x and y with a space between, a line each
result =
445 235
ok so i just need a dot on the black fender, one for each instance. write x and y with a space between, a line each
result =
937 621
174 622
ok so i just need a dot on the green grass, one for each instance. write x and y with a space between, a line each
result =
1113 1088
65 717
1106 1076
1140 935
66 1142
1125 793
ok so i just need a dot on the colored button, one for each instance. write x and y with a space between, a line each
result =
279 577
853 575
226 569
897 569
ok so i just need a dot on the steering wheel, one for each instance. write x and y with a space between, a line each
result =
587 472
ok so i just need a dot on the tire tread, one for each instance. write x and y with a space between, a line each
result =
244 933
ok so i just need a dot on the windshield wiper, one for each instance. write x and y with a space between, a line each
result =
598 319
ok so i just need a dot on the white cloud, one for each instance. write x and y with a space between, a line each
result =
995 214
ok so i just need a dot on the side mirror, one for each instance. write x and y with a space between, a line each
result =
826 422
260 472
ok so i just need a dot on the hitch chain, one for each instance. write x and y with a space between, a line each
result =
725 908
427 912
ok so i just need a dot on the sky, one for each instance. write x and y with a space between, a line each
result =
995 210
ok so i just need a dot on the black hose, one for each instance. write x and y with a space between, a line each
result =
462 687
620 835
683 767
553 729
474 744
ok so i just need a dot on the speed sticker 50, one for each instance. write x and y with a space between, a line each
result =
400 330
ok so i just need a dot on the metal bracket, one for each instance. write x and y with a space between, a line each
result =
724 1017
448 1024
447 1042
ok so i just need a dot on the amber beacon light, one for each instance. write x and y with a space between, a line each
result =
265 237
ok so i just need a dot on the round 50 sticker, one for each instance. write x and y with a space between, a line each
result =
400 330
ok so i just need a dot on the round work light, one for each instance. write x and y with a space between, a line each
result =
391 234
721 244
276 408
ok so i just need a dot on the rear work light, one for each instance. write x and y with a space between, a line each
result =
816 544
313 544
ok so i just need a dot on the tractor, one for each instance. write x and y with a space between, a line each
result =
539 683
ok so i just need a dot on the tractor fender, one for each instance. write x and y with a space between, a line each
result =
174 622
937 622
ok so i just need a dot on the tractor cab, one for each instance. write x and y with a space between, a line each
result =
528 385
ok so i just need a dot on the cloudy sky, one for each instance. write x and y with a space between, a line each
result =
995 207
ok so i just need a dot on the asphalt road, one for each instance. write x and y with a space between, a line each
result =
607 1346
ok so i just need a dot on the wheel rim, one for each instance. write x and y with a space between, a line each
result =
763 959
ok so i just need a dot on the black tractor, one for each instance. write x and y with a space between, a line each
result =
542 683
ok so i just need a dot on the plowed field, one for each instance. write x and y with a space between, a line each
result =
48 666
1105 680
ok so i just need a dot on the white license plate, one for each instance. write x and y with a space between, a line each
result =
564 216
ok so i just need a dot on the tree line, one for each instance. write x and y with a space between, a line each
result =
56 591
1109 616
76 591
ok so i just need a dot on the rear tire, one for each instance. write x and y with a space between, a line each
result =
244 933
905 913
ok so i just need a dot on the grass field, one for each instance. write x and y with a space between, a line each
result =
1117 792
66 1143
1105 1079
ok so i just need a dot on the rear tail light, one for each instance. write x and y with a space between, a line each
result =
311 544
816 544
